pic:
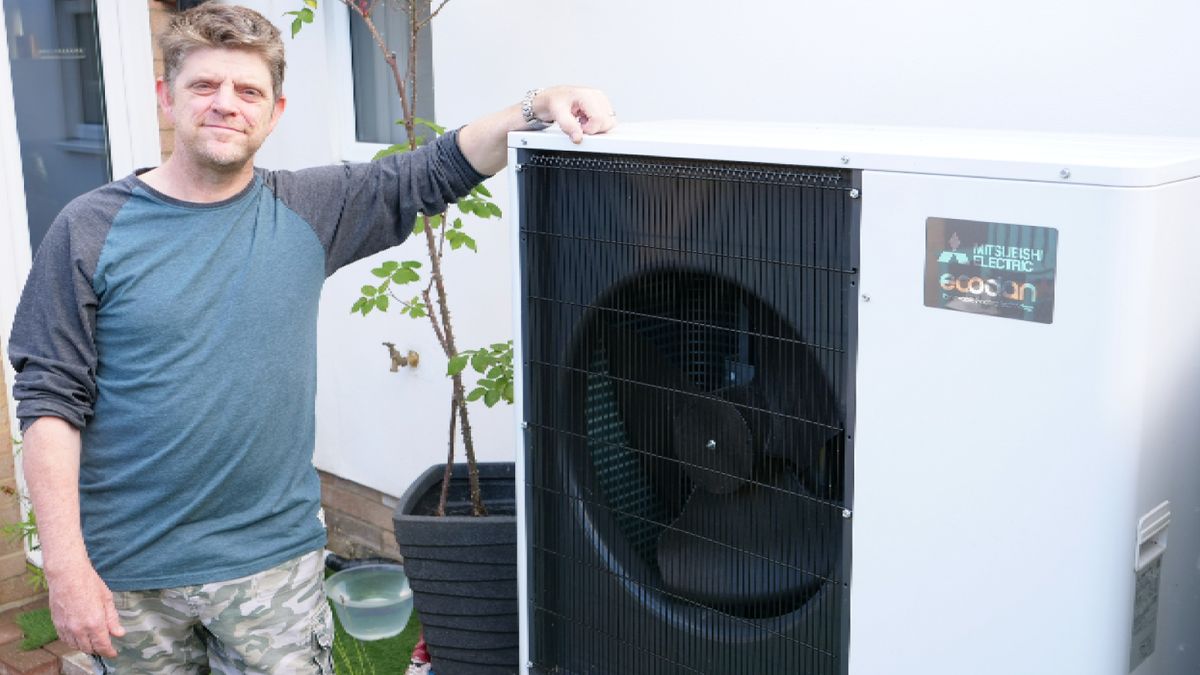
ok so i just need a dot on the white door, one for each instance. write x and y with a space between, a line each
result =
76 110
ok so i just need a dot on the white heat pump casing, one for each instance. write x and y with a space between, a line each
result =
1001 467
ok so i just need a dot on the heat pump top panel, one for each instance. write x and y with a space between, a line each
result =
1118 161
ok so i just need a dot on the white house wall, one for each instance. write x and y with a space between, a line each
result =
1070 65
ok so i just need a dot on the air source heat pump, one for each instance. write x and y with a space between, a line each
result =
830 400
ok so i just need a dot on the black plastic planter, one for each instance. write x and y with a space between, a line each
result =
463 569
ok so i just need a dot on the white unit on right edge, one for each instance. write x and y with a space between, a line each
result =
866 401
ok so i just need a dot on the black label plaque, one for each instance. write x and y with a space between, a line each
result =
996 269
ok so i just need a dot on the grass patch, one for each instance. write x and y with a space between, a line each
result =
375 657
38 628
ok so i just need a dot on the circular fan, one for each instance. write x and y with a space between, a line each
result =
715 438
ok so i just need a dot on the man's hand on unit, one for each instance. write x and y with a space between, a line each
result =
576 110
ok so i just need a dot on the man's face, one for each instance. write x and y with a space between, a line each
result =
223 107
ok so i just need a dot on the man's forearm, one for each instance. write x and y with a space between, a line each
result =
576 110
484 142
50 458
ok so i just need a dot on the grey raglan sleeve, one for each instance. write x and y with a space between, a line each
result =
360 209
52 344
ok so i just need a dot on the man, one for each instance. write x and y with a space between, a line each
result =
165 349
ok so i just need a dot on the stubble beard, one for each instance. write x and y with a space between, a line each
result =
221 157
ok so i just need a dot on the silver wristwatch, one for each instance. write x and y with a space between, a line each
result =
531 120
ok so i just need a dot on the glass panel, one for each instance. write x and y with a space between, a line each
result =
376 103
54 53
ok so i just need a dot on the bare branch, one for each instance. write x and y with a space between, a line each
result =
442 238
413 44
432 14
389 57
477 506
449 472
437 329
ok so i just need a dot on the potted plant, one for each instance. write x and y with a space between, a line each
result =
456 524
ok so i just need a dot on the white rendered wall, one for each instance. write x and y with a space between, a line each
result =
1070 65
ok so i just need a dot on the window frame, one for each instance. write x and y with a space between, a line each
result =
337 36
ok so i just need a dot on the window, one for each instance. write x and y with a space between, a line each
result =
376 103
58 96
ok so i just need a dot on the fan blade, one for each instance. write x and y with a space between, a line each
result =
760 546
714 444
646 385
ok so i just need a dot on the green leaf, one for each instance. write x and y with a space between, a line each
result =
384 286
381 301
357 305
468 242
455 239
296 26
389 265
495 373
508 391
419 225
405 275
367 307
491 398
380 272
476 394
411 263
457 364
306 15
311 3
480 360
435 221
493 209
437 129
482 190
418 311
368 290
396 149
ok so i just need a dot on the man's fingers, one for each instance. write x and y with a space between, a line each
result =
76 639
580 110
598 123
569 123
103 646
113 618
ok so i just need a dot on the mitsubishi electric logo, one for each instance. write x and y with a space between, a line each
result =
990 268
954 255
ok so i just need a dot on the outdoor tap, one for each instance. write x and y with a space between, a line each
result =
399 360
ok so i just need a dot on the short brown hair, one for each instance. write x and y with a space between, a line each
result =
211 25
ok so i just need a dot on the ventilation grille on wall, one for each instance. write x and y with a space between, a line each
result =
688 343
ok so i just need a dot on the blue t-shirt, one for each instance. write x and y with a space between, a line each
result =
181 339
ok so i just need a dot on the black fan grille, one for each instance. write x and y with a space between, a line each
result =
716 297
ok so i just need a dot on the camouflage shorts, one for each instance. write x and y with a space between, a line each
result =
276 621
